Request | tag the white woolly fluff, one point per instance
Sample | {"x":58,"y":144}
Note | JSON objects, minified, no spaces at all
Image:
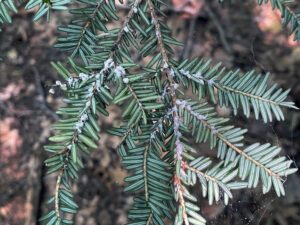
{"x":170,"y":112}
{"x":98,"y":84}
{"x":200,"y":117}
{"x":185,"y":73}
{"x":84,"y":117}
{"x":160,"y":126}
{"x":126,"y":80}
{"x":184,"y":104}
{"x":108,"y":64}
{"x":179,"y":149}
{"x":79,"y":125}
{"x":198,"y":75}
{"x":165,"y":92}
{"x":211,"y":82}
{"x":153,"y":21}
{"x":52,"y":91}
{"x":165,"y":66}
{"x":58,"y":83}
{"x":126,"y":29}
{"x":214,"y":130}
{"x":189,"y":75}
{"x":91,"y":91}
{"x":175,"y":86}
{"x":119,"y":71}
{"x":177,"y":133}
{"x":98,"y":76}
{"x":172,"y":73}
{"x":70,"y":81}
{"x":83,"y":76}
{"x":87,"y":104}
{"x":152,"y":136}
{"x":157,"y":33}
{"x":135,"y":10}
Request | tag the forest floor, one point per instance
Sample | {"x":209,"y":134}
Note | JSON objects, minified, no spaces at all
{"x":240,"y":35}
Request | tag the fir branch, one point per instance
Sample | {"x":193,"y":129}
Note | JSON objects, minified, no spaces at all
{"x":125,"y":24}
{"x":135,"y":96}
{"x":71,"y":140}
{"x":248,"y":95}
{"x":158,"y":33}
{"x":233,"y":89}
{"x":254,"y":161}
{"x":242,"y":153}
{"x":87,"y":25}
{"x":165,"y":59}
{"x":219,"y":136}
{"x":217,"y":84}
{"x":153,"y":146}
{"x":81,"y":34}
{"x":215,"y":180}
{"x":177,"y":134}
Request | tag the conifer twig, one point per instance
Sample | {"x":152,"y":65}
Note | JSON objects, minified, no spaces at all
{"x":240,"y":151}
{"x":58,"y":182}
{"x":125,"y":24}
{"x":199,"y":172}
{"x":87,"y":25}
{"x":165,"y":65}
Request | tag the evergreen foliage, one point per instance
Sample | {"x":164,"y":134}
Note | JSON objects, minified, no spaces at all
{"x":159,"y":122}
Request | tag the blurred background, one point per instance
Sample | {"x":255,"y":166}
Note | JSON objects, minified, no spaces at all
{"x":240,"y":34}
